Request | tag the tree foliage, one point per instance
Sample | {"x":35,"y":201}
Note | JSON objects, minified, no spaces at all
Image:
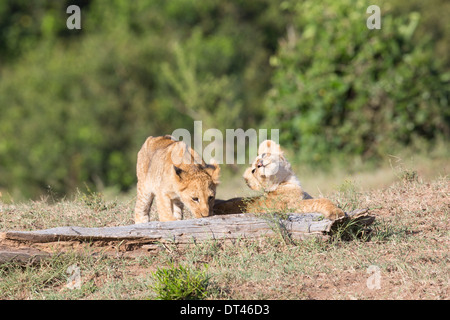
{"x":342,"y":89}
{"x":76,"y":105}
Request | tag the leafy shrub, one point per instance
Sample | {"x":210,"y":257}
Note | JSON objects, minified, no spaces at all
{"x":342,"y":89}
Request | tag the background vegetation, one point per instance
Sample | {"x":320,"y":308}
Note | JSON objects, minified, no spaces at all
{"x":76,"y":105}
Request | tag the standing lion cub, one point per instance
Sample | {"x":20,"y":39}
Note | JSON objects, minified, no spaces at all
{"x":174,"y":175}
{"x":272,"y":174}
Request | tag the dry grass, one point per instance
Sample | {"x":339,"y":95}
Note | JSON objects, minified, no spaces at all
{"x":85,"y":210}
{"x":408,"y":246}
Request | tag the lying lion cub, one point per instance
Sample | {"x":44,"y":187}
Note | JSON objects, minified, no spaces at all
{"x":272,"y":173}
{"x":174,"y":175}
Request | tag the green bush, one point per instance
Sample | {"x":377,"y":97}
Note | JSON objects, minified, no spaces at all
{"x":342,"y":90}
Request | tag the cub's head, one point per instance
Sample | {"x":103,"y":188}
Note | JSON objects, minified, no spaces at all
{"x":196,"y":186}
{"x":269,"y":169}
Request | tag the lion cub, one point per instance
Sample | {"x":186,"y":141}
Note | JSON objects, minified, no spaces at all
{"x":272,"y":174}
{"x":174,"y":175}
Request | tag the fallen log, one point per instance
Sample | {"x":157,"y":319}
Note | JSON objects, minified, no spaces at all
{"x":149,"y":235}
{"x":21,"y":255}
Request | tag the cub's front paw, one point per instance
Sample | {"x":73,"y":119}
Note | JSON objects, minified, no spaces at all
{"x":334,"y":213}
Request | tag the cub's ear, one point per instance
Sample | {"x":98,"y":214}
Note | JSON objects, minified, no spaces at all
{"x":213,"y":170}
{"x":269,"y":146}
{"x":179,"y":172}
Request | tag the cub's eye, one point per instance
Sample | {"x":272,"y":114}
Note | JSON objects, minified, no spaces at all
{"x":195,"y":199}
{"x":210,"y":198}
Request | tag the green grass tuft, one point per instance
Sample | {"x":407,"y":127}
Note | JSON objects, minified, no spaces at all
{"x":180,"y":283}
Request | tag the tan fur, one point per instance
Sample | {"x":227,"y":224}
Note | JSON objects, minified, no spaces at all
{"x":173,"y":175}
{"x":272,"y":174}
